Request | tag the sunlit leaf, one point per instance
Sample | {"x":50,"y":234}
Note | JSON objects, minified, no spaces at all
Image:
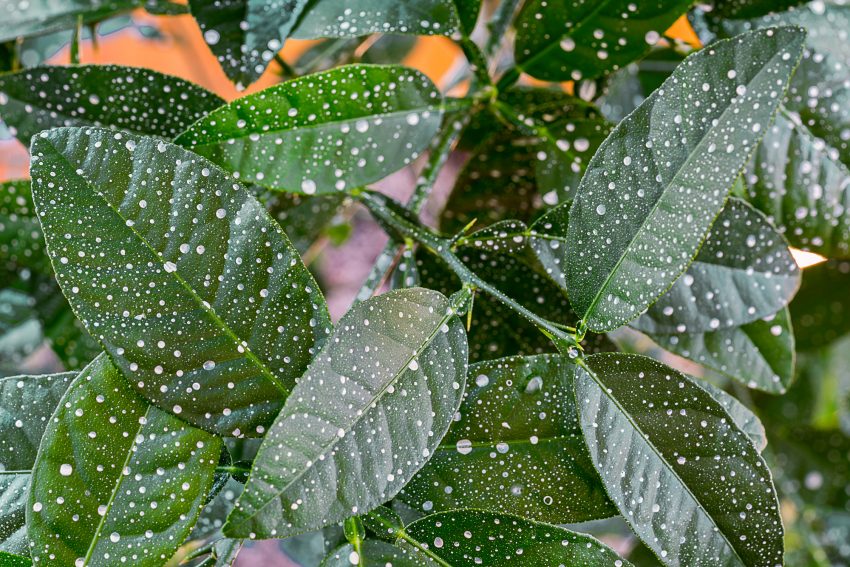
{"x":516,"y":448}
{"x":687,"y":480}
{"x":652,"y":190}
{"x":193,"y":290}
{"x":367,"y":414}
{"x":116,"y":479}
{"x":323,"y":133}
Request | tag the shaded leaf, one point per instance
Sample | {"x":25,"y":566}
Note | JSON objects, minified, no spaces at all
{"x":21,"y":243}
{"x":743,"y":272}
{"x":384,"y":522}
{"x":129,"y":98}
{"x":516,"y":448}
{"x":656,"y":184}
{"x":566,"y":40}
{"x":366,"y":120}
{"x":303,"y":217}
{"x":759,"y":354}
{"x":743,"y":417}
{"x":375,"y":553}
{"x":820,"y":311}
{"x":116,"y":479}
{"x":235,"y":317}
{"x":20,"y":332}
{"x":26,"y":404}
{"x":245,"y":35}
{"x":751,"y":8}
{"x":687,"y":480}
{"x":467,"y":537}
{"x":367,"y":414}
{"x":36,"y":17}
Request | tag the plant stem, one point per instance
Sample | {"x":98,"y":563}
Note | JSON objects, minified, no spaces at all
{"x":75,"y":41}
{"x":477,"y":62}
{"x":441,"y":247}
{"x":231,"y":469}
{"x":286,"y":68}
{"x":498,"y":25}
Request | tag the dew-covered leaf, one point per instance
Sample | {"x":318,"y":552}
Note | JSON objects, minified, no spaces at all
{"x":323,"y":133}
{"x":26,"y":404}
{"x":759,"y":354}
{"x":743,"y":272}
{"x":193,"y":290}
{"x":384,"y":522}
{"x":34,"y":17}
{"x":376,"y":553}
{"x":12,"y":560}
{"x":820,"y":311}
{"x":656,"y":184}
{"x":688,"y":481}
{"x":802,"y":186}
{"x":116,"y":479}
{"x":562,"y":40}
{"x":364,"y":418}
{"x":743,"y":416}
{"x":304,"y":218}
{"x":516,"y":448}
{"x":475,"y":537}
{"x":21,"y":243}
{"x":751,"y":8}
{"x":245,"y":35}
{"x":130,"y":98}
{"x":337,"y":18}
{"x":20,"y":332}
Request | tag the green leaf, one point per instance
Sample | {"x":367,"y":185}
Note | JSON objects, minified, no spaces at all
{"x":472,"y":537}
{"x":801,"y":185}
{"x":566,"y":40}
{"x":165,"y":8}
{"x":743,"y":272}
{"x":516,"y":448}
{"x":193,"y":290}
{"x":375,"y":553}
{"x":10,"y":560}
{"x":759,"y":354}
{"x":245,"y":35}
{"x":820,"y":311}
{"x":21,"y":244}
{"x":366,"y":120}
{"x":336,"y":18}
{"x":743,"y":417}
{"x":35,"y":17}
{"x":20,"y":332}
{"x":751,"y":8}
{"x":687,"y":480}
{"x":384,"y":522}
{"x":129,"y":98}
{"x":303,"y":217}
{"x":26,"y":404}
{"x":116,"y":479}
{"x":367,"y":414}
{"x":656,"y":184}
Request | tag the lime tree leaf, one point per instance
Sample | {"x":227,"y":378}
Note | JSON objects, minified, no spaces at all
{"x":116,"y":479}
{"x":21,"y":243}
{"x":564,"y":40}
{"x":367,"y":414}
{"x":11,"y":560}
{"x":656,"y":184}
{"x":337,"y":18}
{"x":376,"y":553}
{"x":751,"y":8}
{"x":245,"y":35}
{"x":517,"y":448}
{"x":688,"y":481}
{"x":384,"y":522}
{"x":365,"y":120}
{"x":473,"y":537}
{"x":194,"y":291}
{"x":305,"y":218}
{"x":20,"y":332}
{"x":802,"y":186}
{"x":129,"y":98}
{"x":26,"y":404}
{"x":743,"y":417}
{"x":821,"y":310}
{"x":36,"y":17}
{"x":743,"y":272}
{"x":759,"y":354}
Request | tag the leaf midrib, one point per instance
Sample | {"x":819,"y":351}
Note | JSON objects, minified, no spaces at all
{"x":673,"y":179}
{"x":362,"y":412}
{"x":658,"y":454}
{"x":553,"y":439}
{"x":209,"y":310}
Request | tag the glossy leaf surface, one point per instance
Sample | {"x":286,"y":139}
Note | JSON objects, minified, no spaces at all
{"x":323,"y":133}
{"x":564,"y":40}
{"x":127,"y":98}
{"x":191,"y":287}
{"x":26,"y":404}
{"x":517,"y":448}
{"x":367,"y":414}
{"x":36,"y":17}
{"x":656,"y":184}
{"x":375,"y":553}
{"x":472,"y":537}
{"x":743,"y":416}
{"x":116,"y":478}
{"x":743,"y":272}
{"x":688,"y":481}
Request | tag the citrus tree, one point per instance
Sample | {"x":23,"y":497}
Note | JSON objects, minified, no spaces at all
{"x":501,"y":378}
